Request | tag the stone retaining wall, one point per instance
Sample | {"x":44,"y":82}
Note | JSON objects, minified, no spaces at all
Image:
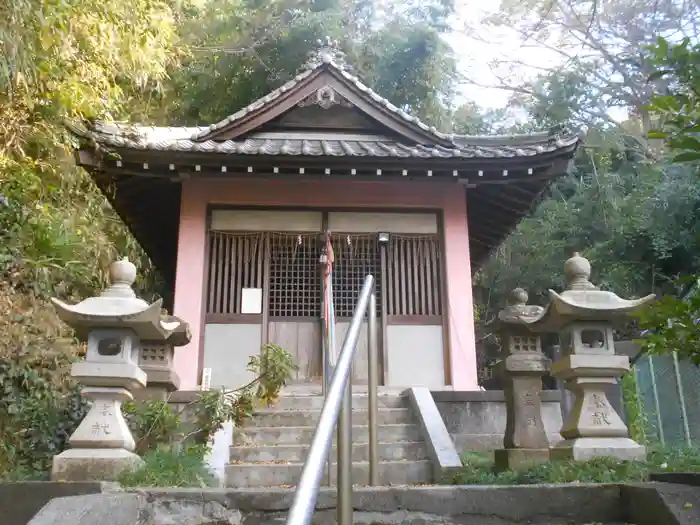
{"x":536,"y":505}
{"x":477,"y":420}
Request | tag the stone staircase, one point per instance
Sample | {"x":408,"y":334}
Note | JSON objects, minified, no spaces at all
{"x":271,"y":448}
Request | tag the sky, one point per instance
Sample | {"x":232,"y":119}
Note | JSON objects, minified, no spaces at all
{"x":474,"y":56}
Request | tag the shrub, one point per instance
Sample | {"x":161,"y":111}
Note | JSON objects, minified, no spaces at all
{"x":175,"y":457}
{"x":171,"y":466}
{"x":152,"y":423}
{"x":41,"y":406}
{"x":39,"y":410}
{"x":274,"y":367}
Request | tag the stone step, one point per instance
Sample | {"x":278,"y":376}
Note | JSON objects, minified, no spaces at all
{"x":275,"y":475}
{"x":397,"y":451}
{"x":311,"y":402}
{"x":303,"y":435}
{"x":306,"y":418}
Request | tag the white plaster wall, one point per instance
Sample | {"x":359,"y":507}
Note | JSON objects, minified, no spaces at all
{"x":261,"y":221}
{"x":369,"y":222}
{"x":227,"y":348}
{"x":415,"y":356}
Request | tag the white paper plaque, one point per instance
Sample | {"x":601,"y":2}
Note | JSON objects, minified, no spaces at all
{"x":206,"y":379}
{"x":251,"y":301}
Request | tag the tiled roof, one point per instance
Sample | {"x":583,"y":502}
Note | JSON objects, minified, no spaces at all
{"x":327,"y":61}
{"x":334,"y":145}
{"x":193,"y":139}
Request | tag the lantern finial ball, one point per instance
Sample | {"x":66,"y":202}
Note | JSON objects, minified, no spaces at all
{"x":577,"y":267}
{"x":122,"y":272}
{"x":518,"y":297}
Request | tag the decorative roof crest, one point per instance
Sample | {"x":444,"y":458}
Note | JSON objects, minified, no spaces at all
{"x":327,"y":52}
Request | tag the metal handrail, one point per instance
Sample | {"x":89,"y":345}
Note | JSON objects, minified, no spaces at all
{"x":337,"y":407}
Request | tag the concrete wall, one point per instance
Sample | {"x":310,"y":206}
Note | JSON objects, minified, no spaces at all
{"x":477,"y":420}
{"x":436,"y":195}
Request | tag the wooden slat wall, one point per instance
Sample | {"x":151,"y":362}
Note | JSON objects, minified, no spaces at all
{"x":236,"y":261}
{"x":413,"y":276}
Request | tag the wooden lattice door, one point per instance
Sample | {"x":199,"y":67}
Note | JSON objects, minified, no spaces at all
{"x":295,"y":300}
{"x":356,"y":256}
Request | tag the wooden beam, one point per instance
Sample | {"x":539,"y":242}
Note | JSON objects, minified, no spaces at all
{"x":505,"y":196}
{"x":480,"y":199}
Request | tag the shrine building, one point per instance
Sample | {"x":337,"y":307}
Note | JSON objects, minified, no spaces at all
{"x":232,"y":215}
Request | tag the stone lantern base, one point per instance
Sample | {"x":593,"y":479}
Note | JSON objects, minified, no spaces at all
{"x":518,"y":458}
{"x":102,"y":444}
{"x":593,"y":428}
{"x":93,"y":464}
{"x":587,"y":448}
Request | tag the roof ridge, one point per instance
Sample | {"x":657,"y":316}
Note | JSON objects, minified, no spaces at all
{"x":326,"y":60}
{"x":321,"y":61}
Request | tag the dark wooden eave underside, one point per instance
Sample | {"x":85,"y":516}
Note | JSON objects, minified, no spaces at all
{"x":145,"y":188}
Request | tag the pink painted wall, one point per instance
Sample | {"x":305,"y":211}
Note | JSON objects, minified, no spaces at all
{"x":450,"y":197}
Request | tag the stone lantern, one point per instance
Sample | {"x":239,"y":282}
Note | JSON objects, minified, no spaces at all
{"x":156,"y":358}
{"x":523,"y":365}
{"x":113,"y":324}
{"x":584,"y":317}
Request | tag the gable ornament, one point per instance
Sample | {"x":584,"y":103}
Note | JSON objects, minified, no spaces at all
{"x":326,"y":97}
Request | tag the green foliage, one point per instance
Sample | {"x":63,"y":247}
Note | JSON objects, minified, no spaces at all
{"x":637,"y":224}
{"x":678,"y":106}
{"x":212,"y":409}
{"x":57,"y":232}
{"x":241,"y":50}
{"x":173,"y":455}
{"x":274,"y":368}
{"x":171,"y":466}
{"x":153,"y":423}
{"x":157,"y":423}
{"x":56,"y":64}
{"x":479,"y":470}
{"x":243,"y":406}
{"x":626,"y":207}
{"x":37,"y":414}
{"x":672,"y":324}
{"x":636,"y":418}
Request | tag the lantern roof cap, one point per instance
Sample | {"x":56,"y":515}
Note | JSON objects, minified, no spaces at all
{"x":118,"y":307}
{"x":583,"y":301}
{"x":516,"y":311}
